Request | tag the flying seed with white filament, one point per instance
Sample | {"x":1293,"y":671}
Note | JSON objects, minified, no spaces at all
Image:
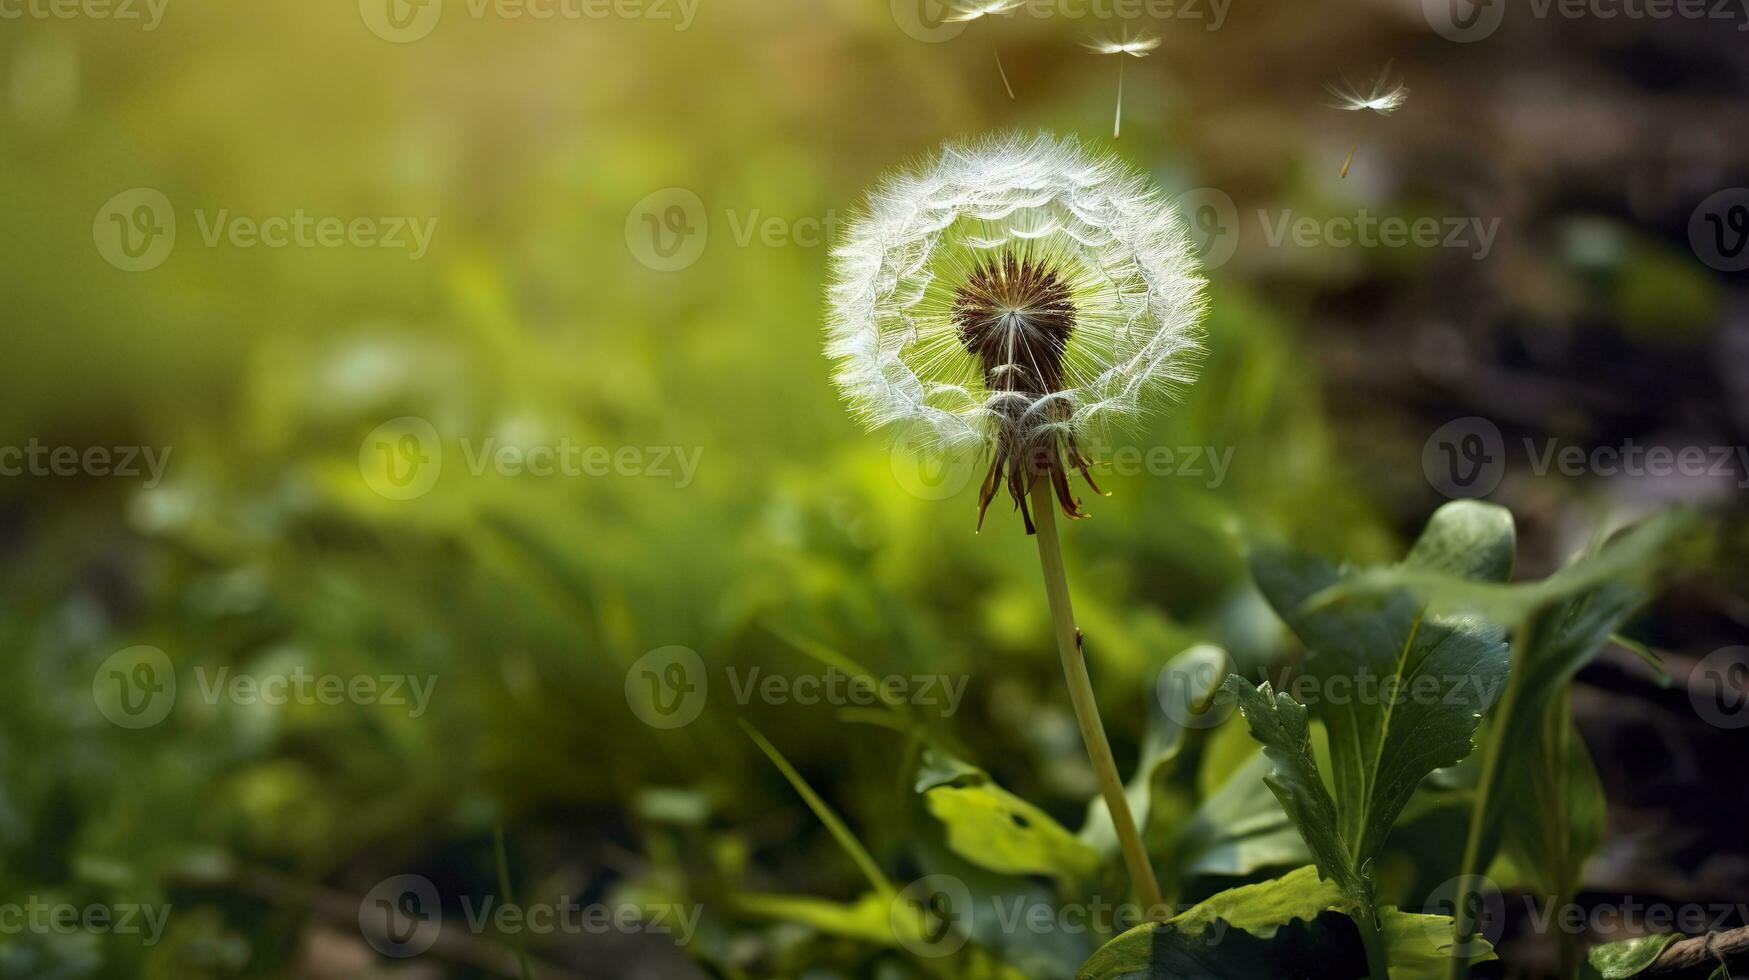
{"x":967,"y":14}
{"x":1135,"y":48}
{"x":1384,"y":96}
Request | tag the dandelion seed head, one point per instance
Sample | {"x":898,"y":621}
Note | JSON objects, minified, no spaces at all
{"x":1012,"y":293}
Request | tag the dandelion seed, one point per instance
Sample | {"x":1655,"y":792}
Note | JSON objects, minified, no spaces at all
{"x":967,"y":14}
{"x":1015,"y":294}
{"x":1384,"y":96}
{"x":1137,"y":48}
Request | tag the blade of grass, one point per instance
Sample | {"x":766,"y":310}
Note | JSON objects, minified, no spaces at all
{"x":503,"y":860}
{"x":834,"y":825}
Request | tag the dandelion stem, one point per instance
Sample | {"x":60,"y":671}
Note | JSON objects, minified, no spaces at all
{"x":1050,"y":555}
{"x":1003,"y":72}
{"x":1117,"y":123}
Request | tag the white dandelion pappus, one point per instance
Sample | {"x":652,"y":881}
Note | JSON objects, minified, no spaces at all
{"x":971,"y":12}
{"x":1010,"y":294}
{"x":1383,"y":97}
{"x":1137,"y":47}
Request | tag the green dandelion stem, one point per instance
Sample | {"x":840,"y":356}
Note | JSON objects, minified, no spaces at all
{"x":1050,"y":555}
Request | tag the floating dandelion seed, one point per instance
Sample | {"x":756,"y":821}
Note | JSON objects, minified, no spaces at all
{"x":1137,"y":48}
{"x":1384,"y":97}
{"x":967,"y":14}
{"x":1012,"y":294}
{"x":1009,"y":294}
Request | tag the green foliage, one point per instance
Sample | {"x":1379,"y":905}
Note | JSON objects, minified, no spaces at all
{"x":1629,"y":957}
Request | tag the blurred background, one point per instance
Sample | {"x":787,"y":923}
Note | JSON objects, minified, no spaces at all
{"x":389,"y":388}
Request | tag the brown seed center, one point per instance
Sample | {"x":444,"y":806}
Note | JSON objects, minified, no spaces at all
{"x":1015,"y":316}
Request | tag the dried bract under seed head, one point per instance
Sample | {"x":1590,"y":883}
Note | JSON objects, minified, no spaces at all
{"x":1015,"y":293}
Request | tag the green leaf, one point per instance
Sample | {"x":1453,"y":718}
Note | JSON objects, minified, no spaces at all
{"x":1634,"y":556}
{"x":1402,"y":690}
{"x":1421,"y":947}
{"x":1630,"y":957}
{"x":1280,"y":723}
{"x":1196,"y":944}
{"x":1555,"y":806}
{"x":1553,"y":648}
{"x":868,"y":918}
{"x":1160,"y":952}
{"x":1240,"y":828}
{"x":996,"y":830}
{"x":1265,"y":907}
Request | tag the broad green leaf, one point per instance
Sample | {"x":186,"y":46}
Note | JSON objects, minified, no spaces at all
{"x":1263,"y":908}
{"x":1199,"y":942}
{"x":1199,"y":671}
{"x":1160,"y":952}
{"x":1401,"y":690}
{"x":1240,"y":828}
{"x":1636,"y":555}
{"x":996,"y":830}
{"x":1630,"y":957}
{"x":1555,"y":805}
{"x":1421,"y":947}
{"x":1280,"y":723}
{"x":1532,"y":748}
